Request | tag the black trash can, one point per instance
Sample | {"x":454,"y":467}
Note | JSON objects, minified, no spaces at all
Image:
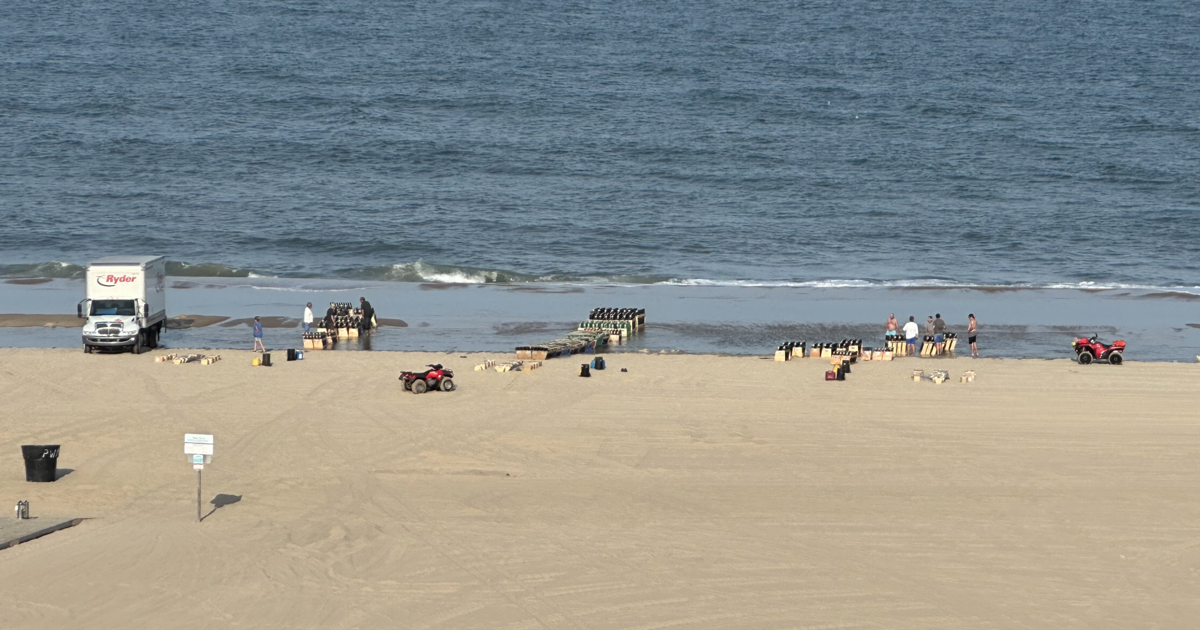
{"x":41,"y":462}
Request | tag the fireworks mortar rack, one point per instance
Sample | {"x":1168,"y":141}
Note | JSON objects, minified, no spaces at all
{"x":898,"y":346}
{"x":604,"y":326}
{"x":845,"y":350}
{"x":929,"y":346}
{"x":840,"y":355}
{"x":347,"y":324}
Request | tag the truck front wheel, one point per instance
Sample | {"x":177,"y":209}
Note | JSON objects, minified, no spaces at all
{"x":87,"y":349}
{"x":138,"y":342}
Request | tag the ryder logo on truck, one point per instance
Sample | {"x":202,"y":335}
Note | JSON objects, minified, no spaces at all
{"x":111,"y":280}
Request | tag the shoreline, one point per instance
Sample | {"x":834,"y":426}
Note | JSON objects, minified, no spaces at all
{"x":959,"y":360}
{"x":689,"y":319}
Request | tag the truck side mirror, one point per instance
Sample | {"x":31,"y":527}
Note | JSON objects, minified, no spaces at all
{"x":79,"y":310}
{"x":145,"y":311}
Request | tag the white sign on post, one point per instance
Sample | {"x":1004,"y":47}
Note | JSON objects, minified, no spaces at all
{"x":200,"y":447}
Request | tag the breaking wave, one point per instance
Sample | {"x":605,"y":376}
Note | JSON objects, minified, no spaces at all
{"x":52,"y":269}
{"x":424,"y":272}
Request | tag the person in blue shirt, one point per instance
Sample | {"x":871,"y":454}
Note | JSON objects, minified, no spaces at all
{"x":258,"y":342}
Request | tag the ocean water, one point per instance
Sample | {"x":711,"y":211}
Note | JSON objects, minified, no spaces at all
{"x":800,"y":143}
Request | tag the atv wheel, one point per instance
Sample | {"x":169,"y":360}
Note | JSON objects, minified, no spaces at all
{"x":1115,"y":358}
{"x":447,"y":385}
{"x":418,"y":387}
{"x":1085,"y":357}
{"x":407,"y":385}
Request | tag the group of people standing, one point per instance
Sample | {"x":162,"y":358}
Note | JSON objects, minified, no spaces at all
{"x":368,"y":316}
{"x":935,"y":326}
{"x":368,"y":321}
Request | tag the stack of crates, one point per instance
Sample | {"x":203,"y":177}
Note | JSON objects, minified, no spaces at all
{"x":604,"y":326}
{"x":625,"y":322}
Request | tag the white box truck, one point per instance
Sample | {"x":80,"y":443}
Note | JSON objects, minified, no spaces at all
{"x":126,"y":304}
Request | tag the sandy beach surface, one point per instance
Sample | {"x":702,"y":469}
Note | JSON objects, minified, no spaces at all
{"x":689,"y":492}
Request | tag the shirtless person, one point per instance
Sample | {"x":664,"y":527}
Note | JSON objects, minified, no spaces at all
{"x":893,"y":327}
{"x":972,"y":328}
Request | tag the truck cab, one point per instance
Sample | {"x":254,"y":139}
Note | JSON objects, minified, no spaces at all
{"x":126,"y":305}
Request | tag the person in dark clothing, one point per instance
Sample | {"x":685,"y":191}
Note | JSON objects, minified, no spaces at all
{"x":368,"y":316}
{"x":329,"y":322}
{"x":939,"y":333}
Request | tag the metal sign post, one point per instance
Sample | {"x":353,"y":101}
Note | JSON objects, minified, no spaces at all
{"x":199,"y":447}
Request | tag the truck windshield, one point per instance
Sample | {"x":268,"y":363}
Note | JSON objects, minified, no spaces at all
{"x":113,"y":307}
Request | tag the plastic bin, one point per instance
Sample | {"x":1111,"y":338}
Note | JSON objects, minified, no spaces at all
{"x":41,"y":462}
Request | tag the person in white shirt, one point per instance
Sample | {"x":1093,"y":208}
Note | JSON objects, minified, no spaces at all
{"x":911,"y":330}
{"x":308,"y":318}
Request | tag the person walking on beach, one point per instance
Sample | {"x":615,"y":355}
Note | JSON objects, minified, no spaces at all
{"x":308,"y":316}
{"x":368,"y":316}
{"x":258,"y":342}
{"x":939,"y":333}
{"x":911,"y":330}
{"x":893,"y":327}
{"x":972,"y":328}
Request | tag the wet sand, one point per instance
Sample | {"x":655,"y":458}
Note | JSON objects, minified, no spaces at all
{"x":269,"y":321}
{"x":1018,"y":323}
{"x":195,"y":321}
{"x":16,"y":320}
{"x":690,"y":492}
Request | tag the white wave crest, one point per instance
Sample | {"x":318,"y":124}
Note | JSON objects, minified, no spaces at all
{"x":921,"y":283}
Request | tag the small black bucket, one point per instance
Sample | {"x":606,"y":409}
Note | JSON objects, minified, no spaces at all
{"x":266,"y":359}
{"x":41,"y":462}
{"x":585,"y":370}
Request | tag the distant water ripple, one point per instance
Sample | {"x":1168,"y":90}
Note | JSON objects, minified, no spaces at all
{"x":766,"y":143}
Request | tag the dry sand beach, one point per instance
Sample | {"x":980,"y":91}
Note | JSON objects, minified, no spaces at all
{"x":690,"y":492}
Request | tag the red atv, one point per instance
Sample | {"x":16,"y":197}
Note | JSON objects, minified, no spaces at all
{"x":436,"y":377}
{"x":1087,"y":349}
